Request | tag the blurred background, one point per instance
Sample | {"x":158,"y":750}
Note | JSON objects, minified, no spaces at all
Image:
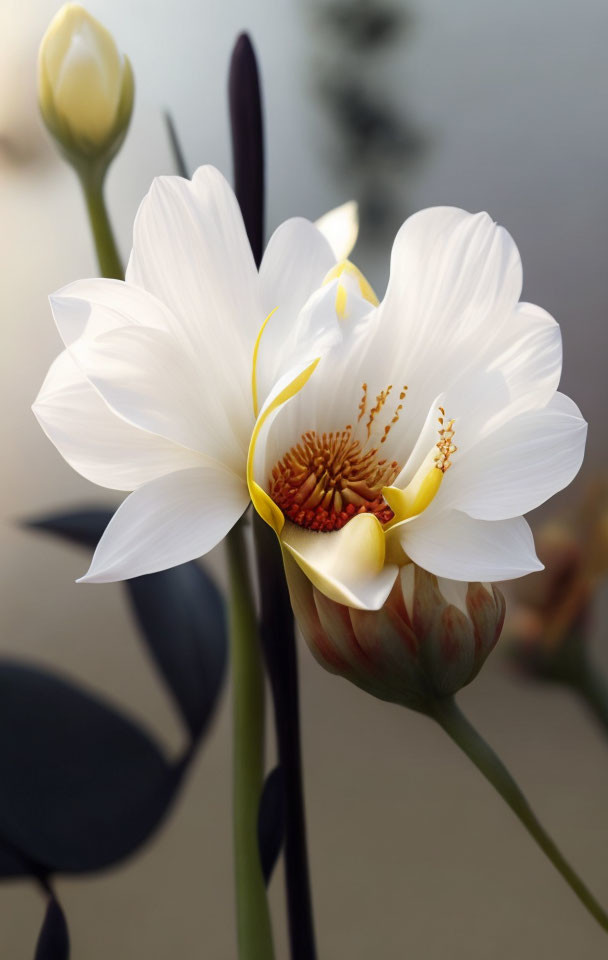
{"x":479,"y":104}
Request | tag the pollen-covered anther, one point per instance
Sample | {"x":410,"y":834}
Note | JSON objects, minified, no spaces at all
{"x":362,"y":402}
{"x":445,"y":445}
{"x":395,"y":417}
{"x":327,"y":479}
{"x":375,"y":410}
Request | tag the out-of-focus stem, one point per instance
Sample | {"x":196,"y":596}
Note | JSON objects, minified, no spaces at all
{"x":92,"y":180}
{"x":462,"y":732}
{"x":591,"y":685}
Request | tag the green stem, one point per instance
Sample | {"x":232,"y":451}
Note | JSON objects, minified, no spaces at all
{"x":592,"y":687}
{"x":92,"y":181}
{"x":253,"y":917}
{"x":456,"y":725}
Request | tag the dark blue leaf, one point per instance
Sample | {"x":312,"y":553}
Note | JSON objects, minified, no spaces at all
{"x":82,"y":786}
{"x":181,"y":616}
{"x":13,"y":863}
{"x":83,"y":526}
{"x":271,"y":821}
{"x":54,"y":940}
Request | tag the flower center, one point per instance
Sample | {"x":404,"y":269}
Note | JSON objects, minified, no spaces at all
{"x":326,"y":479}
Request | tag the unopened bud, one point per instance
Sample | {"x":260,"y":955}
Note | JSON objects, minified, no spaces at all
{"x":85,"y":86}
{"x":550,"y":609}
{"x":428,"y":641}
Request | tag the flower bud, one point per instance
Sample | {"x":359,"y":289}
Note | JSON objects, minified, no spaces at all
{"x":85,"y":86}
{"x":428,"y":641}
{"x":550,"y":616}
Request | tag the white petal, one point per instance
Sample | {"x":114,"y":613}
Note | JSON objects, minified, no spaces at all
{"x":471,"y":403}
{"x":528,"y":355}
{"x":454,"y":545}
{"x":455,"y":592}
{"x":191,"y":250}
{"x":294,"y":266}
{"x":340,"y":227}
{"x":560,"y":403}
{"x":91,"y":307}
{"x":151,"y":382}
{"x":331,"y":399}
{"x":455,"y":280}
{"x":317,"y":335}
{"x":168,"y":521}
{"x":346,"y":565}
{"x":452,"y":272}
{"x":86,"y":309}
{"x":454,"y":285}
{"x":517,"y":372}
{"x":98,"y":444}
{"x":311,"y":334}
{"x":520,"y":465}
{"x":426,"y":440}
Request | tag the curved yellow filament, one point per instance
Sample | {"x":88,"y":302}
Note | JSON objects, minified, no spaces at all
{"x":265,"y":506}
{"x":254,"y":365}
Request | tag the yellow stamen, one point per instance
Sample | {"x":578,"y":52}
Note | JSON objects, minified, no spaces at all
{"x":445,"y":447}
{"x":380,"y":401}
{"x":424,"y":486}
{"x":395,"y":418}
{"x":363,"y":402}
{"x":326,"y":479}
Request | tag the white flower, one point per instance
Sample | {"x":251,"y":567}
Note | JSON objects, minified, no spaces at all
{"x":85,"y":85}
{"x":160,"y":383}
{"x":430,"y":424}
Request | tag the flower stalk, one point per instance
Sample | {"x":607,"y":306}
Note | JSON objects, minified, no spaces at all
{"x":91,"y":180}
{"x":85,"y":94}
{"x":253,"y":917}
{"x":461,"y":731}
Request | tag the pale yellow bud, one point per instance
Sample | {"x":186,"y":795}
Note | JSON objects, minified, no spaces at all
{"x":85,"y":85}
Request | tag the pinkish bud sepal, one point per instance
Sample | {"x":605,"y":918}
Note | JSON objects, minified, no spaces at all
{"x":428,"y":641}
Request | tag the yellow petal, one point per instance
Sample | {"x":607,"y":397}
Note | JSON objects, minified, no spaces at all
{"x":264,"y":505}
{"x":346,"y":565}
{"x":340,"y":227}
{"x":350,"y":270}
{"x":254,"y":365}
{"x":416,"y":497}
